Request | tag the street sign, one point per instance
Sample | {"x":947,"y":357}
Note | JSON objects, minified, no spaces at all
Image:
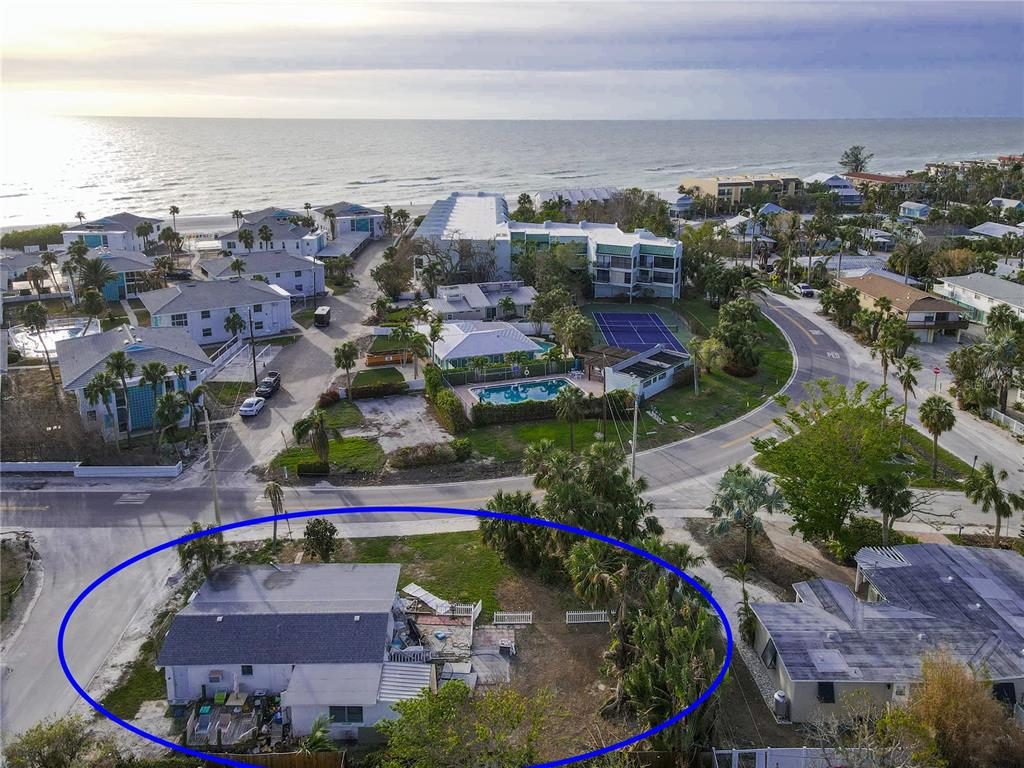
{"x":936,"y":370}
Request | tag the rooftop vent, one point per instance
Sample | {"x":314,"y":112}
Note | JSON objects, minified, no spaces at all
{"x":948,"y":579}
{"x":220,"y":619}
{"x":356,"y":618}
{"x":921,"y":635}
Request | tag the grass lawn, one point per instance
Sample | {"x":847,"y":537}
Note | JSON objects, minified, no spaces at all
{"x":385,"y":344}
{"x":353,"y":454}
{"x":229,"y":392}
{"x":388,"y":375}
{"x":722,"y":398}
{"x":282,"y":341}
{"x":343,"y":415}
{"x":14,"y":565}
{"x":304,"y":317}
{"x":951,"y":469}
{"x":142,"y":682}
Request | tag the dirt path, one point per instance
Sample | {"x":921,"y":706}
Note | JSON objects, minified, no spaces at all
{"x":800,"y":552}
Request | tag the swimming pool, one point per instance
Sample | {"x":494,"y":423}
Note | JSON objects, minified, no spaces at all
{"x":27,"y":341}
{"x":506,"y":394}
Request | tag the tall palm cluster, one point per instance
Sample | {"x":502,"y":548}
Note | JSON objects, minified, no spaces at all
{"x":984,"y":374}
{"x":663,"y":649}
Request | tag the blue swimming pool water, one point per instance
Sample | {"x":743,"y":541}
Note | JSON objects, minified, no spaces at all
{"x":506,"y":394}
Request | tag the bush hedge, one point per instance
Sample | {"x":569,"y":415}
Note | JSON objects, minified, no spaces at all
{"x":862,"y":532}
{"x":433,"y":381}
{"x":484,"y":414}
{"x":328,"y":398}
{"x":449,"y":411}
{"x":380,"y":389}
{"x":463,"y":448}
{"x":313,"y":469}
{"x":422,"y":455}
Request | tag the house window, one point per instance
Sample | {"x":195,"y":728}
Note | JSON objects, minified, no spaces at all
{"x":214,"y":676}
{"x":770,"y":655}
{"x":827,"y":693}
{"x":247,"y":670}
{"x":232,"y":245}
{"x":231,"y":310}
{"x":258,"y":325}
{"x":257,"y":307}
{"x":179,"y":320}
{"x":207,"y":333}
{"x":346,"y":714}
{"x":298,"y":287}
{"x":205,"y":314}
{"x":298,"y":273}
{"x":277,"y":274}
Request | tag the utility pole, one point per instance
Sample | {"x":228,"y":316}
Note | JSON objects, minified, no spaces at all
{"x":636,"y":414}
{"x":213,"y":469}
{"x":252,"y":348}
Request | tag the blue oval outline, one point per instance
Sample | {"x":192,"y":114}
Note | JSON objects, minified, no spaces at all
{"x":398,"y":508}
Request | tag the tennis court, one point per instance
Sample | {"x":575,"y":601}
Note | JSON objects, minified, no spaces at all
{"x":636,"y":330}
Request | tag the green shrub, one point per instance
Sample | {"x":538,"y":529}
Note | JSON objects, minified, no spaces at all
{"x":450,"y":412}
{"x":463,"y":448}
{"x":13,"y":355}
{"x":41,"y":236}
{"x":484,"y":414}
{"x":422,"y":455}
{"x":313,"y":469}
{"x":862,"y":532}
{"x":433,"y":380}
{"x":380,"y":389}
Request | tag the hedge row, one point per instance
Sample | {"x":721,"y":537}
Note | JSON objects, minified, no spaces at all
{"x":380,"y":389}
{"x":449,"y":411}
{"x":313,"y":469}
{"x":484,"y":414}
{"x":430,"y":454}
{"x":863,"y":532}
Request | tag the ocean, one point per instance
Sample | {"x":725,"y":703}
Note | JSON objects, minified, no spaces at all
{"x":54,"y":167}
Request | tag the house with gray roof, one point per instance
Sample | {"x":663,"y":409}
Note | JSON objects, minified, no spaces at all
{"x":350,"y":219}
{"x":130,"y":270}
{"x":908,"y":601}
{"x":981,"y":293}
{"x":321,"y":636}
{"x":463,"y":341}
{"x":482,"y":301}
{"x":82,"y":357}
{"x":997,"y":230}
{"x":203,"y":307}
{"x":116,"y":232}
{"x":285,"y":235}
{"x":295,"y":274}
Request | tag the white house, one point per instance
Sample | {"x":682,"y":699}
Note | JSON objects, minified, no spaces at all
{"x":82,"y":357}
{"x":116,"y":232}
{"x":284,"y":235}
{"x":831,"y":643}
{"x":319,"y":635}
{"x":840,"y":186}
{"x":1006,"y":203}
{"x":481,"y":301}
{"x":980,"y":293}
{"x":481,"y":219}
{"x":572,"y":197}
{"x":350,"y":217}
{"x":460,"y":342}
{"x":647,"y":373}
{"x":680,"y":208}
{"x":297,"y":275}
{"x":912,"y":210}
{"x":202,"y":308}
{"x":997,"y":230}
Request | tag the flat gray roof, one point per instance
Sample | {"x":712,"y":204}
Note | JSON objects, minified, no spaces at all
{"x":991,"y":286}
{"x":210,"y":294}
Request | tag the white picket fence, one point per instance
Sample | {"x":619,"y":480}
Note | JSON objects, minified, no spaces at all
{"x":1011,"y":424}
{"x":462,"y":609}
{"x":513,"y":617}
{"x":586,"y":617}
{"x":418,"y":656}
{"x":778,"y":757}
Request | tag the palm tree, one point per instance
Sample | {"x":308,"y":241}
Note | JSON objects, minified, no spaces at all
{"x":73,"y":263}
{"x":307,"y":207}
{"x":207,"y":550}
{"x":274,"y":493}
{"x":569,"y":407}
{"x":435,"y":333}
{"x":237,"y":215}
{"x":153,"y":373}
{"x":122,"y":367}
{"x":937,"y":416}
{"x":245,"y":238}
{"x":319,"y":738}
{"x":234,"y":324}
{"x":554,"y":355}
{"x":49,"y":260}
{"x":170,"y":409}
{"x":144,"y":230}
{"x":99,"y":390}
{"x":982,"y":487}
{"x":345,"y":357}
{"x":174,"y":211}
{"x":380,"y":307}
{"x":905,"y":370}
{"x":36,"y":318}
{"x":237,"y":266}
{"x":266,"y":235}
{"x":169,"y":238}
{"x":314,"y":430}
{"x":507,"y":305}
{"x":36,"y":277}
{"x":92,"y":305}
{"x":401,"y":218}
{"x":741,"y":495}
{"x":331,"y":217}
{"x":195,"y":402}
{"x":80,"y":216}
{"x":95,"y":273}
{"x":418,"y":345}
{"x":402,"y":335}
{"x":890,"y":494}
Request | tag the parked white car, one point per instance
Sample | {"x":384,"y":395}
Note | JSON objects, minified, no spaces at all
{"x":803,"y":289}
{"x":251,"y":406}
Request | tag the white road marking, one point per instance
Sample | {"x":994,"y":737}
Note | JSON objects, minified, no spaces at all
{"x":132,"y":498}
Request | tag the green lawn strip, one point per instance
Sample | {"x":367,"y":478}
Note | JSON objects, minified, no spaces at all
{"x":951,"y":469}
{"x":382,"y":344}
{"x":143,"y":317}
{"x":455,"y":566}
{"x":229,"y":392}
{"x":343,"y":415}
{"x":13,"y":567}
{"x":353,"y":454}
{"x":671,"y":318}
{"x":507,"y":442}
{"x":304,"y":317}
{"x":281,"y":341}
{"x":389,"y":375}
{"x":141,"y":682}
{"x":136,"y":304}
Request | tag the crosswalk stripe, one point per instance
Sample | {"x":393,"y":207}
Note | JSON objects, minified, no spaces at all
{"x":132,"y":498}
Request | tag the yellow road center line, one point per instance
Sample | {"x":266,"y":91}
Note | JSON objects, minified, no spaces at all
{"x":749,"y":435}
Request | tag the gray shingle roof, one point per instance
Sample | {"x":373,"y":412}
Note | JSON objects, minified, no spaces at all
{"x":116,"y":222}
{"x":282,"y":229}
{"x":210,"y":294}
{"x":345,"y":208}
{"x":122,"y":261}
{"x":969,"y":600}
{"x":80,"y":358}
{"x":258,"y":263}
{"x":994,"y":287}
{"x":271,"y":638}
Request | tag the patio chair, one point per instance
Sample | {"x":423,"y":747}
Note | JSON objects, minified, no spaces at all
{"x":220,"y":697}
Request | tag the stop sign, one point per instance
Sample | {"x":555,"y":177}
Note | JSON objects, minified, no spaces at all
{"x":936,"y":370}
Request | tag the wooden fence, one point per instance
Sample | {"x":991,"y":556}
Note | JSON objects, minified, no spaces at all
{"x":291,"y":760}
{"x":586,"y":617}
{"x":513,"y":617}
{"x":387,"y":358}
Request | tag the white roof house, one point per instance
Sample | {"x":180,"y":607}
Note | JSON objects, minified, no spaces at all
{"x":995,"y":229}
{"x":296,"y":274}
{"x":1004,"y":203}
{"x":115,"y":231}
{"x":576,"y":195}
{"x":462,"y":341}
{"x":470,"y":301}
{"x":981,"y":293}
{"x":465,"y":216}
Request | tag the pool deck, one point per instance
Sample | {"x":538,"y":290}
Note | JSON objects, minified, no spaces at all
{"x":595,"y":388}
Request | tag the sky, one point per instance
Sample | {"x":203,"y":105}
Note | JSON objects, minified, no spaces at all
{"x":513,"y":60}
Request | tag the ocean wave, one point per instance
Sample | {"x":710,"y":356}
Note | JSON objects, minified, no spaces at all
{"x":367,"y":183}
{"x":16,"y":194}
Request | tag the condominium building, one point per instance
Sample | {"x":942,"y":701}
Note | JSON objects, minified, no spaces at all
{"x":730,"y":189}
{"x":863,"y":181}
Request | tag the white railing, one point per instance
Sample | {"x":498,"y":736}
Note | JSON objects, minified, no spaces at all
{"x":416,"y":656}
{"x":586,"y":617}
{"x":1010,"y":423}
{"x":781,"y":757}
{"x":462,"y":609}
{"x":513,"y":617}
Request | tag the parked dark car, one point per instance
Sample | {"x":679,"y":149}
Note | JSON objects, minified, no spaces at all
{"x":180,"y":274}
{"x":270,"y":384}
